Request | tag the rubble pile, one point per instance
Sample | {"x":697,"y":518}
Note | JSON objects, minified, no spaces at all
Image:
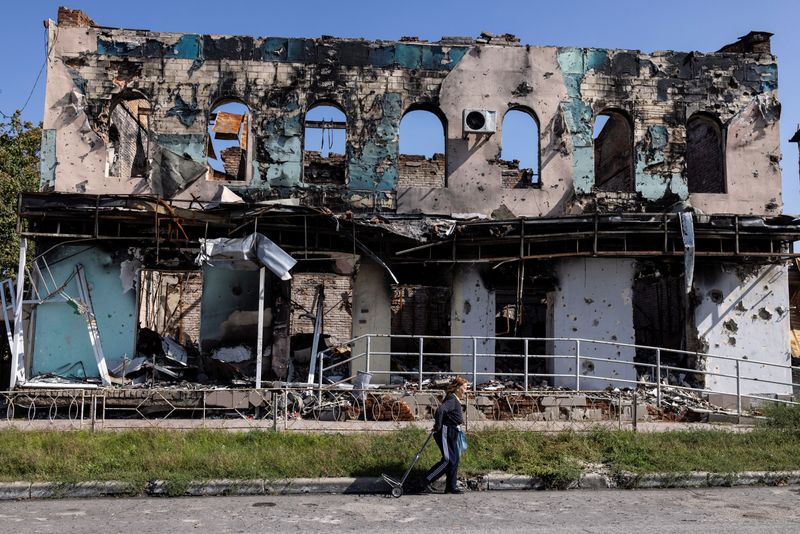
{"x":387,"y":408}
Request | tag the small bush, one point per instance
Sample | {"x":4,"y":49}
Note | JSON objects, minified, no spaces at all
{"x":784,"y":416}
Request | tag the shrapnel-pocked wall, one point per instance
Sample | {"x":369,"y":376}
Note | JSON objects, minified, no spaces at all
{"x":185,"y":76}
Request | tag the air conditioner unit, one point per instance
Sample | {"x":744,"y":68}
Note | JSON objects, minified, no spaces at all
{"x":479,"y":121}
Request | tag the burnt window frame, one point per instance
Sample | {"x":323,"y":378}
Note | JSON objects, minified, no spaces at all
{"x":535,"y":118}
{"x":325,"y":102}
{"x":118,"y":99}
{"x":626,"y":116}
{"x":250,"y":149}
{"x":722,"y":135}
{"x":439,"y":114}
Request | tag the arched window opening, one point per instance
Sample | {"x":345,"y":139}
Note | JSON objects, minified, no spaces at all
{"x":228,"y":146}
{"x":519,"y":154}
{"x":325,"y":137}
{"x":128,"y":149}
{"x":705,"y":155}
{"x":421,"y":162}
{"x":613,"y":152}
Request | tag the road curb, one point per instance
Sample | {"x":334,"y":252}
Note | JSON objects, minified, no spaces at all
{"x":22,"y":490}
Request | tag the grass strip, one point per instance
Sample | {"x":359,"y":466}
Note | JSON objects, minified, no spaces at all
{"x":137,"y":456}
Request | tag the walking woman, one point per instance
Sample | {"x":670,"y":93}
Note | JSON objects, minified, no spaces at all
{"x":448,"y":418}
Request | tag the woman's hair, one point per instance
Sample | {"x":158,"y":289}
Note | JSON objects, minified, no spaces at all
{"x":456,"y":383}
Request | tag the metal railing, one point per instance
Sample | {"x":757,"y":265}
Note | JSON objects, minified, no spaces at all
{"x":741,"y":372}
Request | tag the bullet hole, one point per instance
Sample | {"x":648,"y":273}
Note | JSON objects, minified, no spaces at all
{"x":716,"y":296}
{"x":595,"y":322}
{"x":740,"y":307}
{"x":731,"y":325}
{"x":613,"y":338}
{"x":587,"y":300}
{"x":765,"y":314}
{"x":574,"y":329}
{"x":467,"y":307}
{"x":587,"y":368}
{"x":732,"y":341}
{"x":780,"y":310}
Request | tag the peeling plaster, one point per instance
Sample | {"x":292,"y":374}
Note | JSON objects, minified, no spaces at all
{"x":577,"y":114}
{"x":374,"y":166}
{"x":186,"y":112}
{"x":374,"y":82}
{"x":47,"y":160}
{"x":650,"y":159}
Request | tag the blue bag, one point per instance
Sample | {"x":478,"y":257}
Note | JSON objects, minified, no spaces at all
{"x":462,"y":442}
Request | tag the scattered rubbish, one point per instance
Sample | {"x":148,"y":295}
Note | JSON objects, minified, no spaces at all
{"x":232,"y":354}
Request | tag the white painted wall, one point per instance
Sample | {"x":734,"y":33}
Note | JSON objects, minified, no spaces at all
{"x":593,"y":300}
{"x":472,"y":313}
{"x":372,"y":314}
{"x":744,"y":314}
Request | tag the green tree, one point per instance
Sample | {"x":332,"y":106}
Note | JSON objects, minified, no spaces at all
{"x":20,"y":142}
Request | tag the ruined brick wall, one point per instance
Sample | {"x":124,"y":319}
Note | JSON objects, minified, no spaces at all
{"x":73,"y":17}
{"x":375,"y":82}
{"x":337,"y":320}
{"x":170,"y":303}
{"x":420,"y":171}
{"x":324,"y":170}
{"x":232,"y":160}
{"x":420,"y":310}
{"x":131,"y":149}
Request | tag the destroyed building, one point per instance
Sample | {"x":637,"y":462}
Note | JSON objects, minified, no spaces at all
{"x":181,"y":210}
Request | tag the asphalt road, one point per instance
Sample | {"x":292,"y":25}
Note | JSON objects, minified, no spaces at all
{"x":728,"y":510}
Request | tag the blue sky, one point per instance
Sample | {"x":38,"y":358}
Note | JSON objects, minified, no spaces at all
{"x":703,"y":25}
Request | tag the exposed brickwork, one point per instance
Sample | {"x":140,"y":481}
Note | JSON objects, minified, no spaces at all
{"x":515,"y":178}
{"x":337,"y":321}
{"x":418,"y":310}
{"x":130,"y":144}
{"x":419,"y":171}
{"x":73,"y":17}
{"x":233,"y":161}
{"x":324,"y":170}
{"x":375,"y":83}
{"x":170,"y":303}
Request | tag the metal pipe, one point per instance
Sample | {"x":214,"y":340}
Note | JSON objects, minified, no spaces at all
{"x":420,"y":362}
{"x":474,"y":363}
{"x":525,"y":364}
{"x":17,"y":360}
{"x":578,"y":364}
{"x":369,"y":344}
{"x":738,"y":389}
{"x":658,"y":378}
{"x":260,"y":336}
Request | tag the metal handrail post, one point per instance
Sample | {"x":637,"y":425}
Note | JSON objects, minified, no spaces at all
{"x":474,"y":363}
{"x":658,"y":378}
{"x":738,"y":389}
{"x":525,"y":364}
{"x":421,"y":340}
{"x":369,"y":346}
{"x":577,"y":365}
{"x":321,"y":357}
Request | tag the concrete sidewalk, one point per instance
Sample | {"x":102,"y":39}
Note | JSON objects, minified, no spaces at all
{"x":376,"y":485}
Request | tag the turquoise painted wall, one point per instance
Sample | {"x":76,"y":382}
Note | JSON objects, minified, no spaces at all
{"x":61,"y":336}
{"x":226,"y":291}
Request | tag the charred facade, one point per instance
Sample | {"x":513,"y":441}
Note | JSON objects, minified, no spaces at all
{"x":654,"y":218}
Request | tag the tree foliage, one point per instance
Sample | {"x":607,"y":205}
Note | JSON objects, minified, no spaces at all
{"x":20,"y":142}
